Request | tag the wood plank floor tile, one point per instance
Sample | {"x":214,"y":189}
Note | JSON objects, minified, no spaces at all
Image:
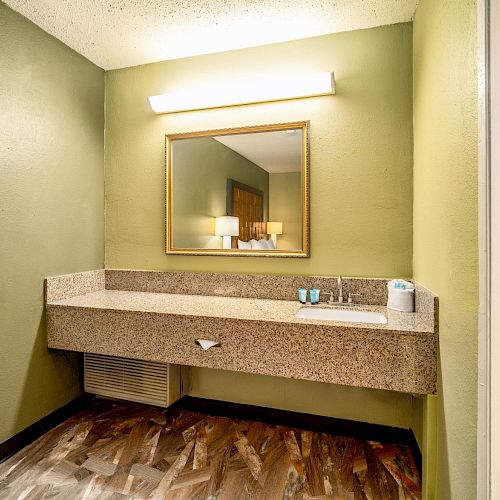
{"x":118,"y":451}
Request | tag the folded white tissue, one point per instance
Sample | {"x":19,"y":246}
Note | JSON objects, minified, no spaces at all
{"x":207,"y":344}
{"x":401,"y":296}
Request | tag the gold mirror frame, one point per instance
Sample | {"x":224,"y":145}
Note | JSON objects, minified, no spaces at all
{"x":234,"y":252}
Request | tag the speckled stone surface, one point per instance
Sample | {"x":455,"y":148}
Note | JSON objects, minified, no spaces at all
{"x":360,"y":356}
{"x":259,"y":336}
{"x":427,"y":303}
{"x":238,"y":308}
{"x":70,"y":285}
{"x":372,"y":291}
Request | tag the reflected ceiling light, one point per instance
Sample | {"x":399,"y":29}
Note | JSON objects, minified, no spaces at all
{"x":265,"y":90}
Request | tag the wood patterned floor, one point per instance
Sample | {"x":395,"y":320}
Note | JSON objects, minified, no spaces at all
{"x":134,"y":451}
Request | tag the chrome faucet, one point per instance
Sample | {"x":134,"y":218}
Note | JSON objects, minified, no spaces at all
{"x":339,"y":287}
{"x":340,"y":299}
{"x":349,"y":302}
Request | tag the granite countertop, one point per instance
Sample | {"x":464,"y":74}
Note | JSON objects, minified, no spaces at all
{"x":159,"y":316}
{"x":250,"y":309}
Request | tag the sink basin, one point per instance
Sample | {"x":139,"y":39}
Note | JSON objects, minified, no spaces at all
{"x":348,"y":315}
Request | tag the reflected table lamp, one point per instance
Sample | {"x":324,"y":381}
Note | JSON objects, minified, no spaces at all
{"x":226,"y":227}
{"x":275,"y":228}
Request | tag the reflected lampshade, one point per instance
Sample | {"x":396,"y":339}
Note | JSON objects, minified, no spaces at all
{"x":275,"y":228}
{"x":227,"y":226}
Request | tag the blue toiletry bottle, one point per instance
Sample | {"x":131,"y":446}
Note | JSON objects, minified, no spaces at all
{"x":302,"y":295}
{"x":314,"y":296}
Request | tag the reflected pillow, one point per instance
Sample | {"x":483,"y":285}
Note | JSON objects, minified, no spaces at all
{"x":270,"y":244}
{"x":244,"y":245}
{"x":259,"y":245}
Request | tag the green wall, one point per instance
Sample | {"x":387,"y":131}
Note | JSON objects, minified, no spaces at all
{"x":285,"y":205}
{"x":361,"y":147}
{"x":201,"y":169}
{"x":52,"y":201}
{"x":446,"y":227}
{"x":366,"y":405}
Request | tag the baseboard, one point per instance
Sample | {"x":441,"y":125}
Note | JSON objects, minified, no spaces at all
{"x":45,"y":424}
{"x":306,"y":421}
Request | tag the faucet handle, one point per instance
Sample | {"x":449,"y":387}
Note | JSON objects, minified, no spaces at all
{"x":350,"y":299}
{"x":331,"y":299}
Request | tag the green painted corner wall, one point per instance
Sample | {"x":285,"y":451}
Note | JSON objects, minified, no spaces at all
{"x":361,"y":177}
{"x":446,"y":230}
{"x":52,"y":194}
{"x":361,"y":152}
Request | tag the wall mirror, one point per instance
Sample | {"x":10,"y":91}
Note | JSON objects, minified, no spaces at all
{"x":240,"y":192}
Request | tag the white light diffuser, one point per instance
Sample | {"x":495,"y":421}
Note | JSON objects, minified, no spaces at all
{"x":264,"y":90}
{"x":226,"y":227}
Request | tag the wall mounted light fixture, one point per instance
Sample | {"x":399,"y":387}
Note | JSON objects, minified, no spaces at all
{"x":264,"y":90}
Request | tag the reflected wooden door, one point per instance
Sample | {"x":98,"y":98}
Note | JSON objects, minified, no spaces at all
{"x":246,"y":203}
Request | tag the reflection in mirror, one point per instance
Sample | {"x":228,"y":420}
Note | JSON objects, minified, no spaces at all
{"x":238,"y":191}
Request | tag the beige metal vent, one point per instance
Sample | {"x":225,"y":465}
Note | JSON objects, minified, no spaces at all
{"x":133,"y":380}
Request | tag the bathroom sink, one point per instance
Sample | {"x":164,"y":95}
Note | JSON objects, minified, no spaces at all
{"x":349,"y":315}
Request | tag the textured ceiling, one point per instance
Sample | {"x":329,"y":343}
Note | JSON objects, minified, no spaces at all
{"x":120,"y":33}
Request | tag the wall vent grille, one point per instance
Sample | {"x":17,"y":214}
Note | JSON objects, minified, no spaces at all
{"x":133,"y":380}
